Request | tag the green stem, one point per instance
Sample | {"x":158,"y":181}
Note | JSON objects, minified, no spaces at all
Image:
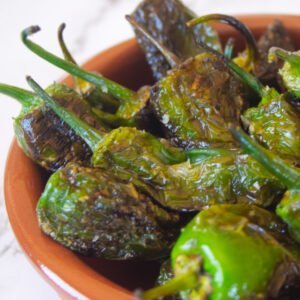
{"x":288,"y":56}
{"x":171,"y":58}
{"x":105,"y":85}
{"x":252,"y":51}
{"x":245,"y":77}
{"x":23,"y":96}
{"x":91,"y":136}
{"x":198,"y":155}
{"x":229,"y":47}
{"x":62,"y":44}
{"x":183,"y":282}
{"x":288,"y":175}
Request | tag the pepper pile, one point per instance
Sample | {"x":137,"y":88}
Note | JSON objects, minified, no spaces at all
{"x":221,"y":208}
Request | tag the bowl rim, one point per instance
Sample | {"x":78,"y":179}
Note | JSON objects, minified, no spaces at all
{"x":68,"y":286}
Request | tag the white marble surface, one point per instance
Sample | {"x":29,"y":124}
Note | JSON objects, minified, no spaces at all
{"x":92,"y":25}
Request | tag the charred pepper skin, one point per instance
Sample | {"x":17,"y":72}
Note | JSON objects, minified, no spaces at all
{"x":224,"y":178}
{"x":275,"y":124}
{"x":276,"y":35}
{"x":288,"y":207}
{"x":205,"y":97}
{"x":166,"y":21}
{"x":46,"y":139}
{"x":93,"y":213}
{"x":222,"y":245}
{"x":166,"y":174}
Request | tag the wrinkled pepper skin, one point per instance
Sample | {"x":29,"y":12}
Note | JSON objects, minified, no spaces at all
{"x":46,"y":139}
{"x":91,"y":212}
{"x":245,"y":252}
{"x":174,"y":178}
{"x":276,"y":35}
{"x":196,"y":101}
{"x":166,"y":21}
{"x":186,"y":186}
{"x":275,"y":124}
{"x":289,"y":206}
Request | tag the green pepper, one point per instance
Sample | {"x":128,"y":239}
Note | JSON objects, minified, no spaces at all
{"x":290,"y":72}
{"x":88,"y":91}
{"x":41,"y":134}
{"x":165,"y":20}
{"x":177,"y":179}
{"x":197,"y":116}
{"x":90,"y":211}
{"x":200,"y":90}
{"x":275,"y":35}
{"x":249,"y":60}
{"x":274,"y":122}
{"x":232,"y":252}
{"x":289,"y":207}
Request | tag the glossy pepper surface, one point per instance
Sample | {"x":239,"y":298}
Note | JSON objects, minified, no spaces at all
{"x":166,"y":21}
{"x":176,"y":179}
{"x":288,"y":207}
{"x":216,"y":252}
{"x":91,"y":212}
{"x":46,"y":139}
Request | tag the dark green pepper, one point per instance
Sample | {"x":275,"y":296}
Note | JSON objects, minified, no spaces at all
{"x":276,"y":35}
{"x":290,"y":72}
{"x":207,"y":177}
{"x":232,"y":252}
{"x":166,"y":21}
{"x":91,"y":212}
{"x":197,"y":116}
{"x":274,"y":122}
{"x":42,"y":135}
{"x":289,"y":207}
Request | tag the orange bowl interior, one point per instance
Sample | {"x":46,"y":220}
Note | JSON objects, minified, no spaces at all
{"x":70,"y":274}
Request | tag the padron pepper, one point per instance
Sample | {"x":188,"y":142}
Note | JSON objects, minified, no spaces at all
{"x":289,"y":206}
{"x":204,"y":96}
{"x":166,"y":21}
{"x":232,"y":252}
{"x":274,"y":122}
{"x":43,"y":137}
{"x":90,"y":211}
{"x":177,"y":179}
{"x":290,"y":72}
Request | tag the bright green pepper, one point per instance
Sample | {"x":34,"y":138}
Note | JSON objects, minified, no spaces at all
{"x":289,"y":207}
{"x":92,"y":212}
{"x":181,"y":180}
{"x":231,"y":252}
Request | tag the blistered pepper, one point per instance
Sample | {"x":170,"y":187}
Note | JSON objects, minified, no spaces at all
{"x":232,"y":252}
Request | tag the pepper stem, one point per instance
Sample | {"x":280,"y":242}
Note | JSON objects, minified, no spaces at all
{"x":91,"y":136}
{"x":180,"y":283}
{"x":105,"y":85}
{"x":252,"y":51}
{"x":245,"y":77}
{"x":288,"y":175}
{"x":288,"y":56}
{"x":228,"y":49}
{"x":23,"y":96}
{"x":171,"y":58}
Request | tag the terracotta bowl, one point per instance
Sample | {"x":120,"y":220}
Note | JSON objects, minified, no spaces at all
{"x":72,"y":275}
